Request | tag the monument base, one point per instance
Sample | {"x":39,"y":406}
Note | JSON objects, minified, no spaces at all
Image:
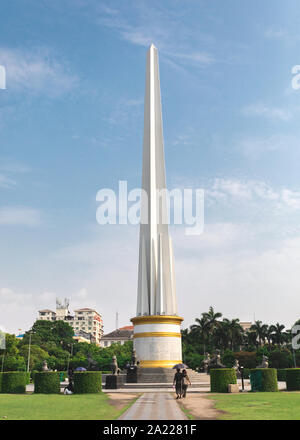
{"x":113,"y":382}
{"x":157,"y":340}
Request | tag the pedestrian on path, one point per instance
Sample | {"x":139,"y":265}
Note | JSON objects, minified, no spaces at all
{"x":185,"y":382}
{"x":178,"y":383}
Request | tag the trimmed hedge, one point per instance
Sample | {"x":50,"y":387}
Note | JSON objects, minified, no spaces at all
{"x":47,"y":382}
{"x":268,"y":381}
{"x":246,"y":373}
{"x":293,"y":379}
{"x":32,"y":374}
{"x":1,"y":381}
{"x":221,"y":378}
{"x":87,"y":382}
{"x":14,"y":382}
{"x":281,"y":375}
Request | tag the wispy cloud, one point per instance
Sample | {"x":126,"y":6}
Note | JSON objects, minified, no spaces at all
{"x":8,"y":295}
{"x":19,"y":215}
{"x":36,"y":71}
{"x":10,"y":166}
{"x":272,"y":113}
{"x":281,"y":34}
{"x":126,"y":111}
{"x":273,"y":33}
{"x":6,"y":182}
{"x":229,"y":191}
{"x":158,"y":25}
{"x":254,"y":146}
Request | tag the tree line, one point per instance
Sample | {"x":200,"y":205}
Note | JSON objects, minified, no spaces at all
{"x":213,"y":331}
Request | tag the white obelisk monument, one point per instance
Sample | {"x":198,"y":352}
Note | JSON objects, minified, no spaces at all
{"x":157,"y":337}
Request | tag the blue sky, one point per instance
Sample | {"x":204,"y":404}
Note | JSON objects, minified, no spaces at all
{"x":71,"y":123}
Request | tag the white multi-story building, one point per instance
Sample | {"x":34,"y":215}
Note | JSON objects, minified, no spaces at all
{"x":88,"y":321}
{"x":245,"y":325}
{"x":47,"y":315}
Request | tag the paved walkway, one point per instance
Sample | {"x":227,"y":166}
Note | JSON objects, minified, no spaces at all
{"x":154,"y":406}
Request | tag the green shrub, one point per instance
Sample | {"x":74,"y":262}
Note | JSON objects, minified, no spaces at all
{"x":47,"y":382}
{"x":281,"y":375}
{"x":14,"y":382}
{"x":27,"y":377}
{"x":246,"y":373}
{"x":293,"y":379}
{"x":194,"y":360}
{"x":228,"y":358}
{"x":221,"y":378}
{"x":1,"y":381}
{"x":32,"y":374}
{"x":87,"y":382}
{"x":280,"y":358}
{"x":264,"y":379}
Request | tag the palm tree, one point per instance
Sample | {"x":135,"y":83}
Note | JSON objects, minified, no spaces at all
{"x":212,"y":321}
{"x":201,"y":329}
{"x":235,"y":331}
{"x":279,"y":335}
{"x":260,"y":329}
{"x":221,"y":335}
{"x":251,"y":338}
{"x":212,"y":318}
{"x":270,"y":333}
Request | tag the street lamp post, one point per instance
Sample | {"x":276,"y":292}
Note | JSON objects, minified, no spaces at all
{"x":242,"y":377}
{"x":3,"y":357}
{"x":29,"y":347}
{"x":70,"y":354}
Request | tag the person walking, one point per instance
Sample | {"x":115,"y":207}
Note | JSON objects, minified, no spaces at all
{"x":178,"y":383}
{"x":185,"y":382}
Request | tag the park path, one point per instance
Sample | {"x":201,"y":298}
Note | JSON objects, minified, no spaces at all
{"x":154,"y":406}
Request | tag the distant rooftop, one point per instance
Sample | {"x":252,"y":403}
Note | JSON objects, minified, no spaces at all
{"x":127,"y":327}
{"x":46,"y":311}
{"x":120,"y":333}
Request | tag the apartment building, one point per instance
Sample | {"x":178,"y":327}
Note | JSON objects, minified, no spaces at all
{"x":88,"y":321}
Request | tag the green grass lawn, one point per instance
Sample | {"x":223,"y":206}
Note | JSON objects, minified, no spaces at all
{"x":57,"y":407}
{"x":259,"y":406}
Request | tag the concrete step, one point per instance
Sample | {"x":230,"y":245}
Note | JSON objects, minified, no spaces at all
{"x":161,"y":385}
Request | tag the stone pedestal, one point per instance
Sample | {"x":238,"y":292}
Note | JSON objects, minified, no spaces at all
{"x":113,"y":382}
{"x":233,"y":388}
{"x":132,"y":376}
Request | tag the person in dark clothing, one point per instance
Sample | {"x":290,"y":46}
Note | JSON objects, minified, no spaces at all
{"x":70,"y":387}
{"x":185,"y":382}
{"x":178,"y":383}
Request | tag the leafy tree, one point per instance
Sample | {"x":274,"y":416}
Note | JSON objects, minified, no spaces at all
{"x":14,"y":363}
{"x":37,"y":355}
{"x":228,"y":358}
{"x":45,"y":332}
{"x":11,"y":345}
{"x":281,"y":359}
